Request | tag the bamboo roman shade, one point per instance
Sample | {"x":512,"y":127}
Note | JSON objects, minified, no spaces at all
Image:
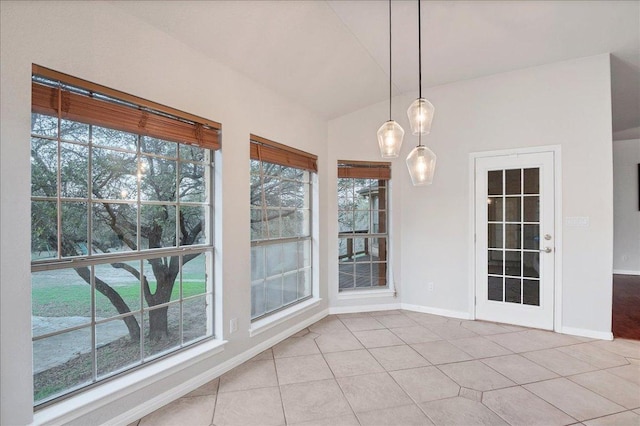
{"x":272,"y":152}
{"x":364,"y":169}
{"x":71,"y":98}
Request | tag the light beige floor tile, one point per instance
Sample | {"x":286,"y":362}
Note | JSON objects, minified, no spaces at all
{"x":300,"y":369}
{"x":450,"y":330}
{"x":578,"y":402}
{"x":416,"y":334}
{"x":210,"y":388}
{"x":302,"y":333}
{"x":559,"y":362}
{"x":250,"y":375}
{"x":395,"y":321}
{"x":328,"y":325}
{"x":479,"y":347}
{"x":422,"y":318}
{"x":441,"y":352}
{"x":551,"y":339}
{"x":629,"y":372}
{"x":628,"y":418}
{"x":313,"y":401}
{"x":295,"y":346}
{"x":347,"y":420}
{"x":637,"y":411}
{"x":352,"y":363}
{"x":372,"y":391}
{"x":425,"y":383}
{"x":611,"y":387}
{"x":625,"y":348}
{"x":254,"y":407}
{"x":460,"y":411}
{"x":398,"y":357}
{"x":337,"y":342}
{"x":472,"y":394}
{"x":520,"y":407}
{"x":475,"y":375}
{"x":136,"y":423}
{"x":594,"y":355}
{"x":196,"y":411}
{"x":407,"y":415}
{"x":264,"y":355}
{"x":362,"y":323}
{"x":531,"y":340}
{"x":484,"y":328}
{"x":519,"y":369}
{"x":386,"y":313}
{"x":354,"y":315}
{"x":377,"y":338}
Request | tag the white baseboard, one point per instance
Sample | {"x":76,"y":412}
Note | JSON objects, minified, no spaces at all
{"x":363,"y":308}
{"x":602,"y":335}
{"x":194,"y":383}
{"x":625,"y":272}
{"x":436,"y":311}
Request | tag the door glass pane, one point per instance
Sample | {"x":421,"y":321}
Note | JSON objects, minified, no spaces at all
{"x":512,"y":263}
{"x":532,"y":209}
{"x":531,"y":292}
{"x":531,"y":264}
{"x":512,"y":236}
{"x":532,"y":181}
{"x":494,"y":181}
{"x":496,"y":261}
{"x":494,"y":209}
{"x":495,"y":235}
{"x":531,"y":236}
{"x":495,"y":289}
{"x":512,"y":290}
{"x":512,"y":209}
{"x":512,"y":182}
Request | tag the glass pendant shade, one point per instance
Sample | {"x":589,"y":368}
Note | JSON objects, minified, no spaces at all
{"x":390,"y":136}
{"x":422,"y":165}
{"x":420,"y":115}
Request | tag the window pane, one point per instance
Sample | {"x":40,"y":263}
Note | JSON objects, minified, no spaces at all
{"x":362,"y":223}
{"x":114,"y":138}
{"x":513,"y":263}
{"x":512,"y":209}
{"x":114,"y":227}
{"x":531,"y":264}
{"x":346,"y":275}
{"x":379,"y":274}
{"x":60,"y":299}
{"x":274,"y":259}
{"x":495,"y":289}
{"x":74,"y":229}
{"x":117,"y":288}
{"x":44,"y":125}
{"x":512,"y":290}
{"x":274,"y":293}
{"x":44,"y":167}
{"x":74,"y":168}
{"x":495,"y":235}
{"x":114,"y":349}
{"x":257,"y":263}
{"x":257,"y":225}
{"x":363,"y":274}
{"x":531,"y":209}
{"x":192,"y":153}
{"x":194,"y":274}
{"x":495,"y":262}
{"x":494,"y":209}
{"x":74,"y":131}
{"x":289,"y":257}
{"x":346,"y":221}
{"x":157,"y":179}
{"x":51,"y":373}
{"x":258,"y":299}
{"x":157,"y":226}
{"x":159,"y":147}
{"x":161,"y":275}
{"x":289,"y":288}
{"x":531,"y":236}
{"x":532,"y":181}
{"x":512,"y":236}
{"x":44,"y":230}
{"x":494,"y":180}
{"x":531,"y":292}
{"x":304,"y":283}
{"x":194,"y":319}
{"x":512,"y":181}
{"x":193,"y":225}
{"x":192,"y":183}
{"x":114,"y":175}
{"x":161,"y":330}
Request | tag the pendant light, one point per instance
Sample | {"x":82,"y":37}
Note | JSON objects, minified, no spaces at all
{"x":390,"y":134}
{"x":421,"y":160}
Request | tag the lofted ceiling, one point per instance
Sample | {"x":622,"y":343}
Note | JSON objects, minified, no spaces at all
{"x":332,"y":56}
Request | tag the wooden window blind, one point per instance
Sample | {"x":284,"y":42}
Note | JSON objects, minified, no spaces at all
{"x":273,"y":152}
{"x":57,"y":94}
{"x":364,"y":169}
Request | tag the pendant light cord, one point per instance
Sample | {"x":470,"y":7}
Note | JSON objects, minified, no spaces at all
{"x":419,"y":53}
{"x":390,"y":79}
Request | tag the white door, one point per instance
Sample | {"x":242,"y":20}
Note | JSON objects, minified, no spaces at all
{"x":514,"y":213}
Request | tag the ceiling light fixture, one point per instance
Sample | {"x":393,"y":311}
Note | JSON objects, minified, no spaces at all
{"x":421,"y":160}
{"x":390,"y":134}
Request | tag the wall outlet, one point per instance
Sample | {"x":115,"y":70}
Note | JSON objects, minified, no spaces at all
{"x":233,"y":325}
{"x":430,"y":286}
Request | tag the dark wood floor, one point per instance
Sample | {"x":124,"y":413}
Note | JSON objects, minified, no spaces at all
{"x":626,"y":306}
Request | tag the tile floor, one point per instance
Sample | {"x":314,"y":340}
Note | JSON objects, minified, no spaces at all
{"x":407,"y":368}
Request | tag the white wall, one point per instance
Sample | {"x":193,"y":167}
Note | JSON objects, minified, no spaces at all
{"x":567,"y":104}
{"x":626,"y":216}
{"x":98,"y":42}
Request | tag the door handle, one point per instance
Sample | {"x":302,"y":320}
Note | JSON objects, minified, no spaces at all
{"x":547,"y":249}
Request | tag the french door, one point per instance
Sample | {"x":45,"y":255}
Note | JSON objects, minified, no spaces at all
{"x":514,"y":250}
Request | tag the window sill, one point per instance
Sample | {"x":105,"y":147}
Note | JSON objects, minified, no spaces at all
{"x":363,"y":294}
{"x":273,"y":320}
{"x":76,"y":406}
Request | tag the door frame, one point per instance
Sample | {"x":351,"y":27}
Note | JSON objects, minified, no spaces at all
{"x":556,"y":150}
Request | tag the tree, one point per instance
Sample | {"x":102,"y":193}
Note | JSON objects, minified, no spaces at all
{"x":114,"y":178}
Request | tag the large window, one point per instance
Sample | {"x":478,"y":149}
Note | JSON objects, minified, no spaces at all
{"x":281,"y":182}
{"x":121,"y":233}
{"x":362,"y":219}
